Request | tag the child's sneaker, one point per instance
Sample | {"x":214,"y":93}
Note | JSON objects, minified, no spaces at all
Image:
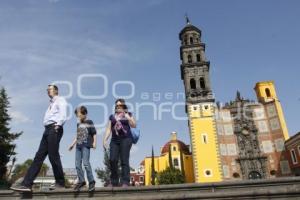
{"x":92,"y":186}
{"x":78,"y":186}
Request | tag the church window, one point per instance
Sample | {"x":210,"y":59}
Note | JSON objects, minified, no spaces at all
{"x":279,"y":145}
{"x":207,"y":172}
{"x":202,"y":83}
{"x":204,"y":138}
{"x":228,"y":129}
{"x":191,"y":40}
{"x":206,"y":107}
{"x":268,"y":93}
{"x":141,"y":179}
{"x":294,"y":157}
{"x":193,"y":83}
{"x":226,"y":171}
{"x":259,"y":113}
{"x":231,"y":149}
{"x":185,"y":40}
{"x":190,"y":59}
{"x":223,"y":149}
{"x":226,"y":116}
{"x":198,"y":58}
{"x":262,"y":126}
{"x":271,"y":111}
{"x":274,"y":124}
{"x":267,"y":146}
{"x":220,"y":129}
{"x":176,"y":164}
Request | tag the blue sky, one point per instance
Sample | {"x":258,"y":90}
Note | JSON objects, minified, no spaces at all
{"x":44,"y":41}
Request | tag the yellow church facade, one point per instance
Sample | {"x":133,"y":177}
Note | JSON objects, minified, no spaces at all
{"x":266,"y":93}
{"x":181,"y":159}
{"x":206,"y":163}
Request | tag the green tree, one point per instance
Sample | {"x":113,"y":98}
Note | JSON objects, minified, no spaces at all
{"x":7,"y":147}
{"x":13,"y":161}
{"x":170,"y":176}
{"x":182,"y":164}
{"x":104,"y":173}
{"x":20,"y":170}
{"x":153,"y":172}
{"x":170,"y":157}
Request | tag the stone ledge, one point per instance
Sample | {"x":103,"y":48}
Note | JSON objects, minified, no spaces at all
{"x":281,"y":188}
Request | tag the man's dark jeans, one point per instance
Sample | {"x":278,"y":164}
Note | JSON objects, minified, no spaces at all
{"x":49,"y":146}
{"x":120,"y":150}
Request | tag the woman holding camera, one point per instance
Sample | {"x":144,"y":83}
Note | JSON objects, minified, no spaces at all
{"x":119,"y":128}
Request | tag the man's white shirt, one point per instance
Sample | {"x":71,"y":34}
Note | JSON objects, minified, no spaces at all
{"x":56,"y":112}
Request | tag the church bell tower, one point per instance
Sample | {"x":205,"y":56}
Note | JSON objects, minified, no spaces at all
{"x":200,"y":105}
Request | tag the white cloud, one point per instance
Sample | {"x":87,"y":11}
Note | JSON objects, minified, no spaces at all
{"x":19,"y":117}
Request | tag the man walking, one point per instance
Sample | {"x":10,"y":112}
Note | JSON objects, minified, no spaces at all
{"x":54,"y":120}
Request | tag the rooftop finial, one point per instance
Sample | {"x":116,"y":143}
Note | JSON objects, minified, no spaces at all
{"x":187,"y":19}
{"x":238,"y":96}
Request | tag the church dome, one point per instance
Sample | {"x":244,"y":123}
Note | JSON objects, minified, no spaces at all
{"x":189,"y":27}
{"x":182,"y":147}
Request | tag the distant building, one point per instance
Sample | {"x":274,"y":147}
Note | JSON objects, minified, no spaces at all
{"x":292,"y":146}
{"x":44,"y":182}
{"x":137,"y":177}
{"x":174,"y":151}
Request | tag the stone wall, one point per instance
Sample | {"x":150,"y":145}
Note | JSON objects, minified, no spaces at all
{"x":279,"y":188}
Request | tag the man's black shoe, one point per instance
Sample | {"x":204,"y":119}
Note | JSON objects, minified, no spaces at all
{"x":78,"y":186}
{"x":92,"y":186}
{"x":20,"y":188}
